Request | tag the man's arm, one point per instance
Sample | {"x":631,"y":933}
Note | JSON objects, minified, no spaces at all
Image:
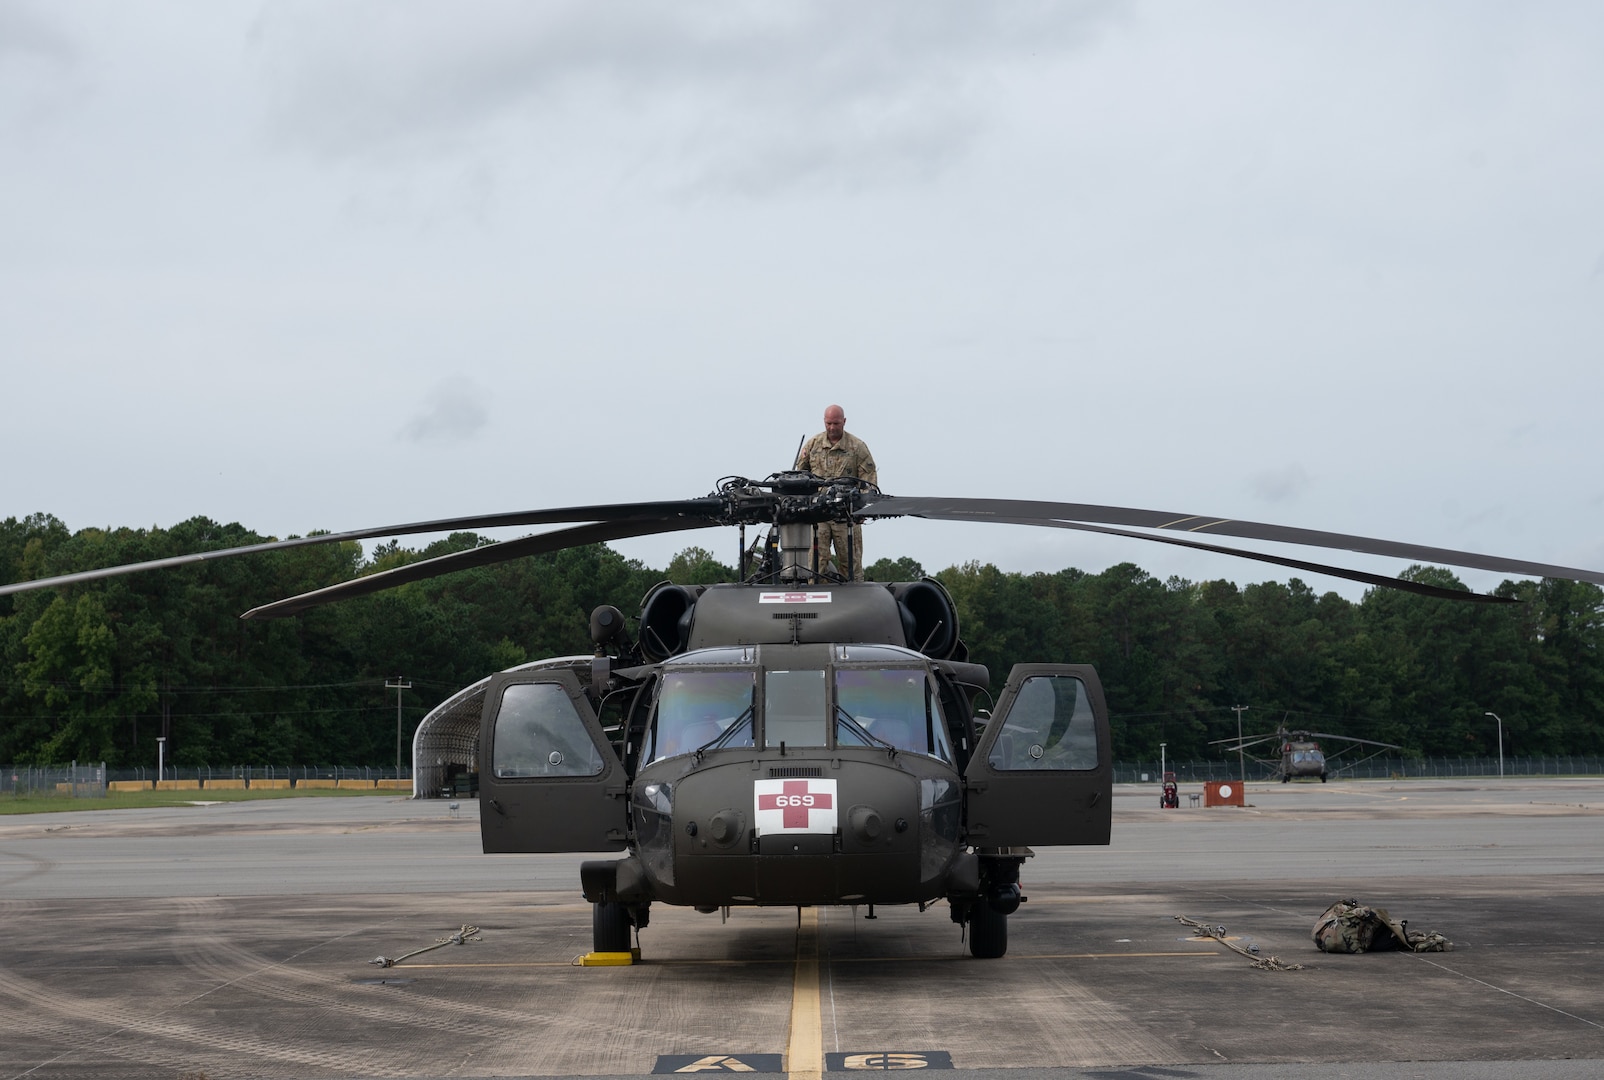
{"x":867,"y":470}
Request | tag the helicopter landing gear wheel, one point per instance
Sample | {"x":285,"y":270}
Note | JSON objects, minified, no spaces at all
{"x":609,"y":927}
{"x":1322,"y":778}
{"x":988,"y":932}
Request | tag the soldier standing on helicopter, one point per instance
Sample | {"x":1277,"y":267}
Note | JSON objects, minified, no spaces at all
{"x":832,"y":453}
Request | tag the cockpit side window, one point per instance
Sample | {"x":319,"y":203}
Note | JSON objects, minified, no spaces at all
{"x":698,"y":708}
{"x":1049,"y":726}
{"x":540,"y":733}
{"x":940,"y":741}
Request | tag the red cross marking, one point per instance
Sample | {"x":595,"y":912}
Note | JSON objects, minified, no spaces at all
{"x":796,"y":800}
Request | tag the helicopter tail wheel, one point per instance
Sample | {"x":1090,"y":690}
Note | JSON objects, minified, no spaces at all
{"x":610,"y":926}
{"x":988,"y":932}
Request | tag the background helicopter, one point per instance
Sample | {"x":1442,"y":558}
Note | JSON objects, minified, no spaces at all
{"x":1299,"y":754}
{"x":795,"y":738}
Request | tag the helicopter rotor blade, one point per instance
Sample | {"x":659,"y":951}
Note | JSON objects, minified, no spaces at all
{"x":1026,"y":511}
{"x":681,"y":508}
{"x":741,"y":501}
{"x":1244,"y":744}
{"x":1350,"y":738}
{"x":487,"y":555}
{"x":1403,"y":584}
{"x":1351,"y":765}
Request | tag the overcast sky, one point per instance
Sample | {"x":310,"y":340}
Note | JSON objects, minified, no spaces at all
{"x":306,"y":265}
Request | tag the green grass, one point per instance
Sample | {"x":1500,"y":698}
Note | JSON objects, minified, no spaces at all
{"x":52,"y":803}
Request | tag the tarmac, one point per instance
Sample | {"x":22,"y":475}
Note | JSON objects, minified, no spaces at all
{"x":237,"y":940}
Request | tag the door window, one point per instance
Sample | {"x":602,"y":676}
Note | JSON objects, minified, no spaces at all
{"x":540,"y":733}
{"x":1050,"y":726}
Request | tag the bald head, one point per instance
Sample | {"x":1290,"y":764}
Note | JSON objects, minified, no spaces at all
{"x":835,"y":423}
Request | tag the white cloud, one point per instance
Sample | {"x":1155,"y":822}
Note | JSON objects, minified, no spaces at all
{"x":38,"y":67}
{"x":453,"y":412}
{"x":741,"y":96}
{"x":27,"y":35}
{"x":1281,"y":485}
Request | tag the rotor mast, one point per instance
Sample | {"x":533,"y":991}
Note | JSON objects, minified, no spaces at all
{"x":792,"y":504}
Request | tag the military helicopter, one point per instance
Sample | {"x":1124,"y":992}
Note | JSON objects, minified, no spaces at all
{"x":797,"y":738}
{"x":1300,"y":755}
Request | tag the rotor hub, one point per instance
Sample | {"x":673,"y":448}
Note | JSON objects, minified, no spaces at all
{"x":792,"y":498}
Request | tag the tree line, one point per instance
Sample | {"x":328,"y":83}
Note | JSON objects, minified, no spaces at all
{"x":97,"y":671}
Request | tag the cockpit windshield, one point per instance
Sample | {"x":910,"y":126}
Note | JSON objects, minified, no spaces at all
{"x":871,"y":705}
{"x":794,"y":709}
{"x":889,"y":707}
{"x":696,"y":709}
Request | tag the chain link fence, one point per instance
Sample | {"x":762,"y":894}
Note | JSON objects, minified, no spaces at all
{"x":95,"y":780}
{"x":79,"y":781}
{"x":92,"y":781}
{"x":1377,"y":768}
{"x":266,"y":772}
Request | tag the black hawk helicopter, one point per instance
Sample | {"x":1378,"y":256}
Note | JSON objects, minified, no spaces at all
{"x":797,"y":738}
{"x":1299,"y":755}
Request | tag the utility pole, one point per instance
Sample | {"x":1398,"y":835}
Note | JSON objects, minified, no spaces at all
{"x":399,"y":685}
{"x":1241,"y":761}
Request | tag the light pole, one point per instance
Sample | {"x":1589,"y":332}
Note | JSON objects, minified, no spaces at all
{"x":1161,"y":766}
{"x":161,"y":751}
{"x":1500,"y":742}
{"x":1242,"y":761}
{"x":399,"y":685}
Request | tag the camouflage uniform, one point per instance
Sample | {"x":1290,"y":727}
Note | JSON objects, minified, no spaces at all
{"x":1350,"y":927}
{"x":849,"y":457}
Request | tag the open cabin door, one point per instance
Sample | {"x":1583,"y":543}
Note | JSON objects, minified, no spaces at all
{"x":1042,"y":772}
{"x":549,"y":780}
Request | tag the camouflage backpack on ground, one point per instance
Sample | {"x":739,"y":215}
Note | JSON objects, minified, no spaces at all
{"x":1350,"y":927}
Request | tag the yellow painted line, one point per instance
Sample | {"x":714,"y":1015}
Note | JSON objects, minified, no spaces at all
{"x":804,"y":1054}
